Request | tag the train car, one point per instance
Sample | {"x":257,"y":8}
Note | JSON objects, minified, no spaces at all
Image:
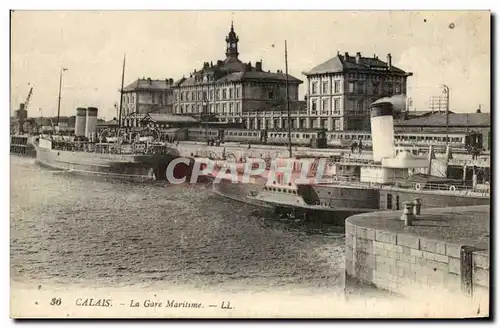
{"x":244,"y":136}
{"x":202,"y":134}
{"x":307,"y":138}
{"x":344,"y":139}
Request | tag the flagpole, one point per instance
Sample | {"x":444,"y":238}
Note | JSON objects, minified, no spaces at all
{"x":59,"y":101}
{"x":121,"y":94}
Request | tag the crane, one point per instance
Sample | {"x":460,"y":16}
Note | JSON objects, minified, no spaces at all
{"x":27,"y":101}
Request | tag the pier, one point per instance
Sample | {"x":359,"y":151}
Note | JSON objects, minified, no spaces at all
{"x":420,"y":252}
{"x":20,"y":145}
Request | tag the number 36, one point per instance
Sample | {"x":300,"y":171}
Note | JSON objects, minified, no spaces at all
{"x":55,"y":301}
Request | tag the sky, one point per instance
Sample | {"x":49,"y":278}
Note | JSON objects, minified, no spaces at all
{"x":439,"y":47}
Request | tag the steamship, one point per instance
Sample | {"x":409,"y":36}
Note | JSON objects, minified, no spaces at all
{"x":355,"y":184}
{"x":135,"y":158}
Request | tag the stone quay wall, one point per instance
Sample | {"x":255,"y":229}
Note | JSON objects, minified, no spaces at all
{"x":405,"y":263}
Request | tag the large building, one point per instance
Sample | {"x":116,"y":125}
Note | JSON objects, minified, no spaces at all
{"x":230,"y":89}
{"x":146,"y":96}
{"x":340,"y":90}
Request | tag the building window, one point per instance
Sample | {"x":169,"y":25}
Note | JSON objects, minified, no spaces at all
{"x":224,"y":108}
{"x":325,"y":108}
{"x":224,"y":94}
{"x":337,"y":86}
{"x":230,"y":93}
{"x":360,"y":86}
{"x":217,"y":95}
{"x":193,"y":95}
{"x":199,"y":95}
{"x":205,"y":96}
{"x":211,"y":108}
{"x":314,"y":87}
{"x":182,"y":96}
{"x":231,"y":108}
{"x":375,"y":88}
{"x":397,"y":88}
{"x":388,"y":89}
{"x":199,"y":108}
{"x":325,"y":87}
{"x":350,"y":87}
{"x":211,"y":94}
{"x":336,"y":104}
{"x":217,"y":108}
{"x":271,"y":95}
{"x":314,"y":106}
{"x":237,"y":107}
{"x":360,"y":105}
{"x":182,"y":109}
{"x":237,"y":92}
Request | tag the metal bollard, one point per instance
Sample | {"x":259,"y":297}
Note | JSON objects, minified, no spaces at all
{"x":417,"y":206}
{"x":408,"y":215}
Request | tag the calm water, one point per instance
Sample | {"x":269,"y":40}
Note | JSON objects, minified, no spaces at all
{"x":89,"y":232}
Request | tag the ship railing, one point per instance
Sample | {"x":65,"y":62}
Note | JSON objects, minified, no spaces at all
{"x":461,"y":189}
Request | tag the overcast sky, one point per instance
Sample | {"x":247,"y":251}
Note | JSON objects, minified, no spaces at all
{"x":450,"y":48}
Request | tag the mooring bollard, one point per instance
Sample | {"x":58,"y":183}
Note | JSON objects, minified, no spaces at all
{"x":417,"y":206}
{"x":408,"y":215}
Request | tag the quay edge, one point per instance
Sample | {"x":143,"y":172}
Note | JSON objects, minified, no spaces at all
{"x":443,"y":253}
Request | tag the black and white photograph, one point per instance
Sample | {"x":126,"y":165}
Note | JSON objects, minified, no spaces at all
{"x":250,"y":164}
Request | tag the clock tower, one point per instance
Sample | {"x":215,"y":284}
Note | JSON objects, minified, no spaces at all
{"x":232,"y":44}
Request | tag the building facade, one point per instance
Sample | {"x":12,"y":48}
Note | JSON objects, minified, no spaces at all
{"x":340,"y":90}
{"x":230,"y":89}
{"x":146,"y":95}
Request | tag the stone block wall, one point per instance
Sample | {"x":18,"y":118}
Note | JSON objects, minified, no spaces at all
{"x":403,"y":263}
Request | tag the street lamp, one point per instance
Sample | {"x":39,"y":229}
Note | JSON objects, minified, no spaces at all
{"x":446,"y":91}
{"x":60,"y":87}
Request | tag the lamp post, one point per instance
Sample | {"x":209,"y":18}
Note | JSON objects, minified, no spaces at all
{"x":288,"y":103}
{"x":60,"y":87}
{"x":205,"y":112}
{"x":446,"y":91}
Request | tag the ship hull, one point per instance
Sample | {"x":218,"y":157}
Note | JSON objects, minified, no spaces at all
{"x":128,"y":167}
{"x":247,"y":192}
{"x":333,"y":204}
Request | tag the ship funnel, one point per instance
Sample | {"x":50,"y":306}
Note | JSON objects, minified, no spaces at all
{"x":382,"y":126}
{"x":91,"y":124}
{"x":81,"y":117}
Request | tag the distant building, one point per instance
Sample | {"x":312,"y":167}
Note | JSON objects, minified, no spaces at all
{"x":230,"y":88}
{"x":341,"y":90}
{"x":457,"y":122}
{"x":157,"y":120}
{"x":146,"y":95}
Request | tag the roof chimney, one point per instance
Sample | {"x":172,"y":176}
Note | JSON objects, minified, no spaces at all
{"x":258,"y":66}
{"x":211,"y":64}
{"x":346,"y":55}
{"x":389,"y":61}
{"x":358,"y":57}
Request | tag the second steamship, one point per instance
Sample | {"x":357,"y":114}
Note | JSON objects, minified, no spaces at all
{"x":131,"y":157}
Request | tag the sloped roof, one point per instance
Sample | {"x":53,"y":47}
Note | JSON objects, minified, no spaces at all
{"x":454,"y":119}
{"x":158,"y":117}
{"x":341,"y":63}
{"x":147,"y":84}
{"x":245,"y":76}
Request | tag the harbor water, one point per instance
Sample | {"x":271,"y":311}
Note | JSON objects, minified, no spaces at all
{"x":90,"y":232}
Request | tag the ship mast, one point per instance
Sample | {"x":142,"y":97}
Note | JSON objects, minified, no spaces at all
{"x":121,"y":94}
{"x":288,"y":103}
